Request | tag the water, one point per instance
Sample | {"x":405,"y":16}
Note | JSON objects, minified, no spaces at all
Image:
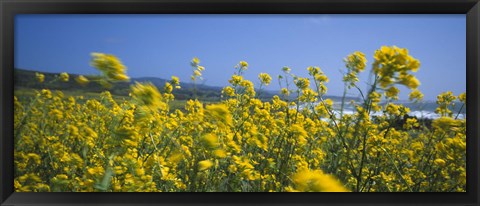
{"x":420,"y":110}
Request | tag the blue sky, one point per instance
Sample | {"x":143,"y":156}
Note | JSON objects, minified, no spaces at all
{"x":163,"y":45}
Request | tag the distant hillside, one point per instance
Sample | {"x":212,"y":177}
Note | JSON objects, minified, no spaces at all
{"x":26,"y":79}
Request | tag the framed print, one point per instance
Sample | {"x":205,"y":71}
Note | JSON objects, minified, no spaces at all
{"x":202,"y":102}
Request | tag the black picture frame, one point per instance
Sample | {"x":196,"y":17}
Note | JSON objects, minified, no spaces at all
{"x":10,"y":8}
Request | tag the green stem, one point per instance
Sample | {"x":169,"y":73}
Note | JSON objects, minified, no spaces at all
{"x":343,"y":101}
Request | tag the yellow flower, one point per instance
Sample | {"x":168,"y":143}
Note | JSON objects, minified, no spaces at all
{"x":121,"y":77}
{"x":265,"y":78}
{"x":415,"y":94}
{"x":243,"y":65}
{"x":229,"y":91}
{"x":175,"y":80}
{"x":313,"y":70}
{"x":392,"y":65}
{"x":138,"y":144}
{"x":46,"y":93}
{"x":248,"y":86}
{"x":168,"y":87}
{"x":220,"y":112}
{"x":316,"y":181}
{"x":440,"y":162}
{"x":299,"y":133}
{"x":197,"y":73}
{"x":285,"y":91}
{"x":308,"y":95}
{"x":410,"y":81}
{"x":444,"y":100}
{"x":82,"y":80}
{"x":302,"y":83}
{"x":356,"y":62}
{"x":205,"y":164}
{"x":220,"y":153}
{"x":110,"y":66}
{"x":392,"y":92}
{"x":210,"y":140}
{"x":148,"y":95}
{"x":445,"y":123}
{"x":40,"y":77}
{"x":62,"y":177}
{"x":64,"y":77}
{"x":462,"y":97}
{"x":35,"y":157}
{"x":236,"y":79}
{"x":393,"y":109}
{"x":321,"y":77}
{"x":410,"y":123}
{"x":328,"y":103}
{"x":417,"y":145}
{"x":195,"y":61}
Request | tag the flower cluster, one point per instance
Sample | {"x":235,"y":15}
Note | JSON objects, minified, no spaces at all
{"x":355,"y":64}
{"x":197,"y":69}
{"x":40,"y":77}
{"x":110,"y":66}
{"x":393,"y":66}
{"x":264,"y":78}
{"x":241,"y":143}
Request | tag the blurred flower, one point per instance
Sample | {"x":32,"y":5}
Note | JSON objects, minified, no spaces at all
{"x":40,"y":77}
{"x":82,"y":80}
{"x":265,"y":78}
{"x":110,"y":66}
{"x":64,"y":77}
{"x":195,"y":61}
{"x":205,"y":164}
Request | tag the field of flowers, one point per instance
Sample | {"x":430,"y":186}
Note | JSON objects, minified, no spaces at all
{"x":241,"y":144}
